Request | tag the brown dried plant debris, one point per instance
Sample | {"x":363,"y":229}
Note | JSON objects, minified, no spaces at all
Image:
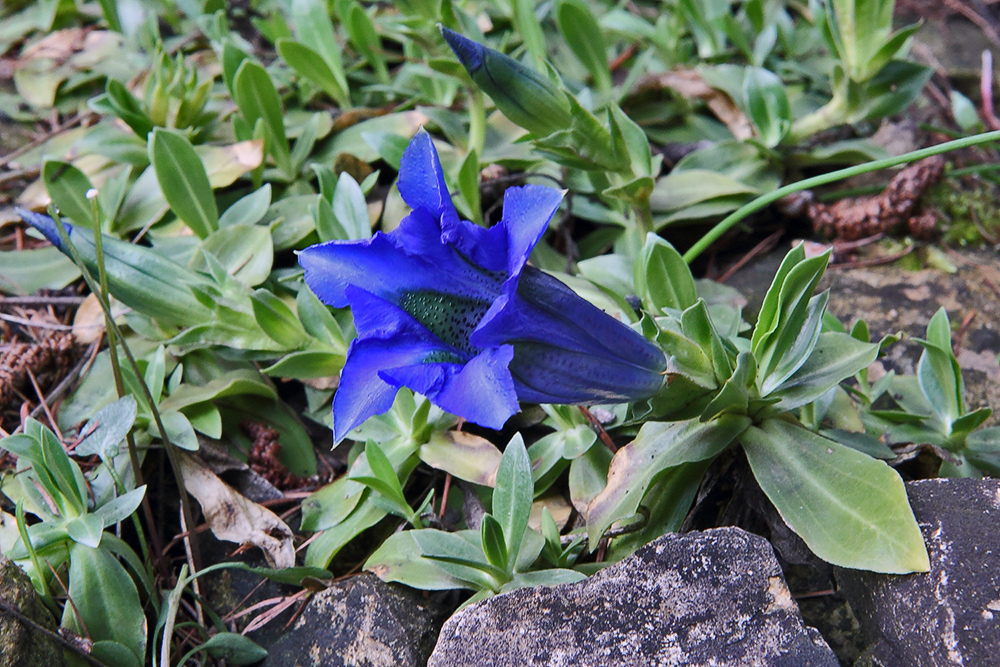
{"x":48,"y":358}
{"x":896,"y":208}
{"x":263,"y":458}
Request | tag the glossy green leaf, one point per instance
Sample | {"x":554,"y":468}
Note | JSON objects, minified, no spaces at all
{"x":850,"y":509}
{"x":468,"y":186}
{"x":307,"y":365}
{"x":310,"y":65}
{"x":106,"y":600}
{"x":530,"y":29}
{"x":834,"y":358}
{"x":108,"y":428}
{"x":735,"y":393}
{"x":314,"y":28}
{"x":588,"y":476}
{"x":318,"y":321}
{"x":494,"y":544}
{"x":361,"y":30}
{"x":67,"y":479}
{"x":120,"y":508}
{"x":86,"y":530}
{"x":657,"y":447}
{"x":25,"y":272}
{"x":234,"y":648}
{"x":258,"y":100}
{"x":402,"y":558}
{"x":184,"y":181}
{"x":582,"y":33}
{"x":513,"y":493}
{"x":383,"y":471}
{"x":68,"y":187}
{"x":330,"y":541}
{"x":662,"y":277}
{"x":179,"y":430}
{"x":794,"y":345}
{"x":788,"y":309}
{"x":277,"y":319}
{"x":248,"y":210}
{"x":245,"y":252}
{"x":767,"y":105}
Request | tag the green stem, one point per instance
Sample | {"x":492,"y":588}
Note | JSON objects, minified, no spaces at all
{"x":113,"y":327}
{"x":116,"y":371}
{"x":764,"y":200}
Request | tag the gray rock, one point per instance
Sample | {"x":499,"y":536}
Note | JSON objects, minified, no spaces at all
{"x":710,"y":598}
{"x":361,"y":622}
{"x":21,"y":646}
{"x":891,"y":299}
{"x":950,"y":615}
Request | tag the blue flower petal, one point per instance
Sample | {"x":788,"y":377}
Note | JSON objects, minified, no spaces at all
{"x":331,"y":267}
{"x":421,"y":180}
{"x":410,"y":258}
{"x":526,"y":214}
{"x":362,"y":393}
{"x":482,"y":391}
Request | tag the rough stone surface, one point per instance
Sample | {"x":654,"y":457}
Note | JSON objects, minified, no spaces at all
{"x":950,"y":615}
{"x":361,"y":622}
{"x":710,"y":598}
{"x":21,"y":646}
{"x":891,"y":299}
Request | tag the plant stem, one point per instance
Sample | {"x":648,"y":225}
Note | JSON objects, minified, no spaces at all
{"x":113,"y":327}
{"x":766,"y":199}
{"x":116,"y":371}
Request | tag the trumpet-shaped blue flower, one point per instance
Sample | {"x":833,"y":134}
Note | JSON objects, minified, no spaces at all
{"x":452,"y":311}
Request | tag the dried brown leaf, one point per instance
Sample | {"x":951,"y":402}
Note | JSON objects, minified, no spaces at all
{"x":234,"y":518}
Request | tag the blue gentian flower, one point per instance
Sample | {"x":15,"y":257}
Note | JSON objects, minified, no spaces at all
{"x":452,"y":311}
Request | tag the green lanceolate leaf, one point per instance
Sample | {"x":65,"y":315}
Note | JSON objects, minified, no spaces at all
{"x":494,"y":544}
{"x":184,"y":181}
{"x":248,"y":210}
{"x":530,"y":29}
{"x":433,"y":560}
{"x":513,"y":493}
{"x":234,"y":648}
{"x":788,"y":309}
{"x":310,"y":65}
{"x":938,"y":371}
{"x":791,"y":351}
{"x":735,"y":393}
{"x":86,"y":530}
{"x":361,"y":31}
{"x":257,"y":99}
{"x":767,"y":105}
{"x":384,"y":474}
{"x":850,"y":509}
{"x":68,"y":187}
{"x":662,"y":277}
{"x":657,"y":447}
{"x":581,"y":31}
{"x":106,"y":600}
{"x":835,"y":357}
